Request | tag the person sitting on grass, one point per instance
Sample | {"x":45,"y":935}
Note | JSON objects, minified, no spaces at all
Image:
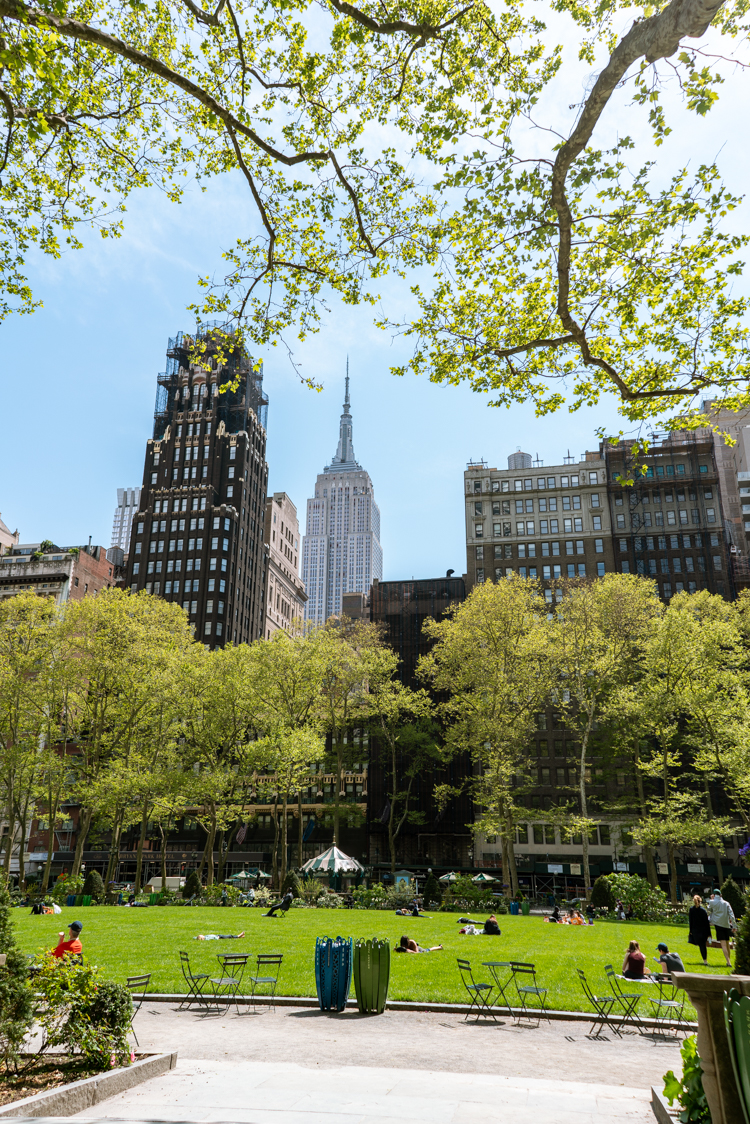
{"x":554,"y":917}
{"x":491,"y":927}
{"x":671,"y":960}
{"x":408,"y":945}
{"x":220,"y":936}
{"x":634,"y":963}
{"x":283,"y":905}
{"x":72,"y":946}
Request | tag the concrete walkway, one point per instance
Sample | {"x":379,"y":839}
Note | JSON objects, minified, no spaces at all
{"x":300,"y":1066}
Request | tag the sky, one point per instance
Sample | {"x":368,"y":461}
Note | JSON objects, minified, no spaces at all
{"x":79,"y":379}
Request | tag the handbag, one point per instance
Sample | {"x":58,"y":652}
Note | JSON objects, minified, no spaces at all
{"x":692,"y":939}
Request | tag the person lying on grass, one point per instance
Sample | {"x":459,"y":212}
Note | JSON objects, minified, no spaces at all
{"x":220,"y":936}
{"x":408,"y":945}
{"x":490,"y":927}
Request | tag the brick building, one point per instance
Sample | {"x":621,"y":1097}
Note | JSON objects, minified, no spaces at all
{"x":67,"y":574}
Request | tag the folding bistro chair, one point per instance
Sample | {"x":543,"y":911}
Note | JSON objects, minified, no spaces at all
{"x":529,"y":991}
{"x":266,"y":962}
{"x":666,"y":1008}
{"x":627,"y":1001}
{"x":137,"y":986}
{"x":228,"y":984}
{"x":195,"y":983}
{"x":602,"y":1004}
{"x":479,"y":992}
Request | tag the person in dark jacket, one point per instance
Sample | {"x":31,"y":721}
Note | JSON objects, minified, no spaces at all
{"x":491,"y":927}
{"x":283,"y":905}
{"x":700,"y":929}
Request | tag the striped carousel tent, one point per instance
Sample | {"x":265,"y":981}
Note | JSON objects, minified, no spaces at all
{"x":332,"y":861}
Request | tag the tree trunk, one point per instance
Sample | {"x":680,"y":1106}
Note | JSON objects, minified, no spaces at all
{"x":300,"y":831}
{"x":141,"y":840}
{"x":392,"y":815}
{"x":21,"y":861}
{"x":275,"y":856}
{"x":337,"y":790}
{"x":672,"y":873}
{"x":648,"y":852}
{"x":114,"y":851}
{"x":203,"y":856}
{"x":84,"y":823}
{"x":224,"y":851}
{"x":210,"y":851}
{"x":52,"y":808}
{"x":584,"y":813}
{"x":512,"y":854}
{"x":505,"y":865}
{"x":163,"y":834}
{"x":284,"y":840}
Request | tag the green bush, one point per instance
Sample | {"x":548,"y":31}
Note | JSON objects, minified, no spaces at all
{"x":94,"y":886}
{"x":742,"y":947}
{"x":647,"y":902}
{"x":374,"y":898}
{"x":292,"y":882}
{"x":601,"y":895}
{"x":81,"y":1012}
{"x":193,"y":887}
{"x":731,"y":893}
{"x":16,"y":999}
{"x":328,"y":900}
{"x":688,"y":1089}
{"x":432,"y":894}
{"x":65,"y":886}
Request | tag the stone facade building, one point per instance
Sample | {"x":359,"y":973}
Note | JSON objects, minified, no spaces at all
{"x":286,"y":597}
{"x":67,"y":574}
{"x":128,"y":502}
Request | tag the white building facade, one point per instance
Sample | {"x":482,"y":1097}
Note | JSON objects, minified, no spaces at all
{"x":341,"y":551}
{"x":128,"y":501}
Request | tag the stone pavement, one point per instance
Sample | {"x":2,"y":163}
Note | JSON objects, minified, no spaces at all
{"x":300,"y":1066}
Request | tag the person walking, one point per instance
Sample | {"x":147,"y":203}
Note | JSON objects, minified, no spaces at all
{"x":722,"y":918}
{"x":700,"y":927}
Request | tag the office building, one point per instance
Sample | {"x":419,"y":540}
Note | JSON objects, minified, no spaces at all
{"x":197,"y":538}
{"x":65,"y":573}
{"x":545,"y":523}
{"x":128,"y":501}
{"x":285,"y":597}
{"x":668,"y":524}
{"x":341,"y":550}
{"x":8,"y":539}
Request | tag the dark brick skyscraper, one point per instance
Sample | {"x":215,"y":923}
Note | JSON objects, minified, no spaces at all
{"x":198,"y":536}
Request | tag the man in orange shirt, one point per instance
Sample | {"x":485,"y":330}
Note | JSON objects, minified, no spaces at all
{"x":72,"y":946}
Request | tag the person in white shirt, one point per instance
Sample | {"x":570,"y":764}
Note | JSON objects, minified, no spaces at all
{"x":722,"y":918}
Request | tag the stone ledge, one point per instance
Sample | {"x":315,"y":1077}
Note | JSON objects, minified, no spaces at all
{"x":405,"y":1005}
{"x":660,"y":1106}
{"x":73,"y":1098}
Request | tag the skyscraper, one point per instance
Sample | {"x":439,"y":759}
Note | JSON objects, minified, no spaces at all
{"x":341,"y":551}
{"x":197,"y":537}
{"x":128,"y":501}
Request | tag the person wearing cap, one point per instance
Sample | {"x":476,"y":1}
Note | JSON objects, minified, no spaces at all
{"x":71,"y":947}
{"x":722,"y":918}
{"x":671,"y":961}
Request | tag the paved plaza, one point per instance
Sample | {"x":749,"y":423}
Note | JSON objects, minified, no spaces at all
{"x":299,"y":1066}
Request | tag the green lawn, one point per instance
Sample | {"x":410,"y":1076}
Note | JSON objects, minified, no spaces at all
{"x":127,"y":941}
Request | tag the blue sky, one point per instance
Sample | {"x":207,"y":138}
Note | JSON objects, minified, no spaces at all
{"x":80,"y":378}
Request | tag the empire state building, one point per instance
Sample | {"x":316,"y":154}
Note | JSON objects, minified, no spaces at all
{"x":341,"y":551}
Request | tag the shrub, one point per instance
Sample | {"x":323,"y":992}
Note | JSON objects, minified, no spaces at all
{"x":742,"y":947}
{"x":292,"y":882}
{"x":65,"y":886}
{"x":731,"y":893}
{"x":193,"y":887}
{"x":601,"y":895}
{"x":688,"y":1089}
{"x":81,"y":1012}
{"x":264,"y":897}
{"x":432,"y":893}
{"x":647,"y":902}
{"x":16,"y":999}
{"x":328,"y":900}
{"x":311,"y":888}
{"x":94,"y":886}
{"x":374,"y":898}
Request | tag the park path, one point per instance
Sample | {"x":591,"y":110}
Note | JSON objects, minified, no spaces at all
{"x":300,"y":1066}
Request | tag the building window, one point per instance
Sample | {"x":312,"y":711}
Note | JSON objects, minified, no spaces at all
{"x":710,"y":515}
{"x":597,"y":522}
{"x":600,"y":569}
{"x":581,"y":569}
{"x":219,"y":628}
{"x":478,"y":530}
{"x":207,"y":628}
{"x":136,"y":570}
{"x":667,"y":590}
{"x":599,"y":546}
{"x":717,"y":561}
{"x":232,"y":452}
{"x":625,"y":567}
{"x":230,"y":491}
{"x":480,"y":552}
{"x":154,"y":476}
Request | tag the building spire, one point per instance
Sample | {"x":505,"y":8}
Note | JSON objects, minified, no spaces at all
{"x":345,"y":451}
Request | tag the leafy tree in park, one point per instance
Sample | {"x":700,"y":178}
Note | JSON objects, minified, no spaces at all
{"x":731,"y":892}
{"x":193,"y":886}
{"x":287,"y":755}
{"x":490,"y":658}
{"x":596,"y":641}
{"x":431,"y":892}
{"x":121,"y":645}
{"x":16,"y":998}
{"x":601,"y":894}
{"x":93,"y":886}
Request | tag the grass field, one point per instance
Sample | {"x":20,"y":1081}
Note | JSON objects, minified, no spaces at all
{"x":125,"y":942}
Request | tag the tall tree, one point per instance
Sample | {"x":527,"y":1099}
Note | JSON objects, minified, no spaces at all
{"x":489,"y":659}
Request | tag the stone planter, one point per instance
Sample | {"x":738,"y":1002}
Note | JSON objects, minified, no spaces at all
{"x":706,"y":993}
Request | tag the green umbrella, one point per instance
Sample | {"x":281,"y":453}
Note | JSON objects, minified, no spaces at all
{"x":483,"y":878}
{"x":448,"y":877}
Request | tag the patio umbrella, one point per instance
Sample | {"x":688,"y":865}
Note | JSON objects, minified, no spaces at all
{"x":483,"y":878}
{"x":448,"y":877}
{"x":236,"y":877}
{"x":332,"y":861}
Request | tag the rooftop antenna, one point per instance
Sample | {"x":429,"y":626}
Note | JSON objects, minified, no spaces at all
{"x":346,"y":396}
{"x":568,"y":459}
{"x":538,"y":463}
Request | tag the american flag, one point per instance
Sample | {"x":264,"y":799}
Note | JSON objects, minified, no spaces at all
{"x":242,"y":833}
